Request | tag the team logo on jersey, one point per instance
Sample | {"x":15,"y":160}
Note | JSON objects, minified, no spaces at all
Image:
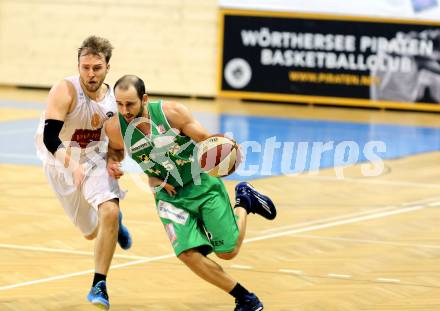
{"x":96,"y":121}
{"x":144,"y":158}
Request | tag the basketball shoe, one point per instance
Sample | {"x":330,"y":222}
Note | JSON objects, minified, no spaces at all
{"x":254,"y":202}
{"x":98,"y":296}
{"x":249,"y":303}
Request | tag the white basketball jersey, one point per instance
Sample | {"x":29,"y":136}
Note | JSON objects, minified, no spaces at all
{"x":83,"y":126}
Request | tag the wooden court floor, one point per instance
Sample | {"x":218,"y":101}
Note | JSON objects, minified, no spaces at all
{"x":355,"y":243}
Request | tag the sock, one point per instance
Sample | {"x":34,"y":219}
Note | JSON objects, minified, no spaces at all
{"x":98,"y":278}
{"x":239,"y":292}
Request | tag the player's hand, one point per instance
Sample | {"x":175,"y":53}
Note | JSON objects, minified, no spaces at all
{"x":157,"y":184}
{"x":114,"y":169}
{"x":169,"y":189}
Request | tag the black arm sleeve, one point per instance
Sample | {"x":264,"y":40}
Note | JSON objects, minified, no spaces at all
{"x":51,"y":139}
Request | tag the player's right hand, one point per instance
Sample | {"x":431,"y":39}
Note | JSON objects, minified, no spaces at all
{"x":114,"y":169}
{"x":156,"y":184}
{"x":169,"y":189}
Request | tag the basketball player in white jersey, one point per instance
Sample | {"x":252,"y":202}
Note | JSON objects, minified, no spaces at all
{"x":73,"y":149}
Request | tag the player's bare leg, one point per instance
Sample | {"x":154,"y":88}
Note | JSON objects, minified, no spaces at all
{"x":213,"y":273}
{"x":105,"y":244}
{"x":207,"y":269}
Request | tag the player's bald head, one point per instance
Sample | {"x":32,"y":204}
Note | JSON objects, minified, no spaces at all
{"x":125,"y":82}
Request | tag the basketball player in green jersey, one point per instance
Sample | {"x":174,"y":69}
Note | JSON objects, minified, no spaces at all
{"x":194,"y":207}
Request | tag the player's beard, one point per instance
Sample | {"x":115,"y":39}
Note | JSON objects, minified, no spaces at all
{"x":129,"y":116}
{"x":141,"y":111}
{"x":92,"y":87}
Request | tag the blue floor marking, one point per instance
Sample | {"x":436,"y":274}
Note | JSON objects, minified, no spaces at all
{"x":21,"y":105}
{"x":17,"y":142}
{"x":400,"y":140}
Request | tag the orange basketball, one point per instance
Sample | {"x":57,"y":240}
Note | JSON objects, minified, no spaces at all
{"x":218,"y":155}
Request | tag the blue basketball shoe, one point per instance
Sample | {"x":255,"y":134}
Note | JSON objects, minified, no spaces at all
{"x":254,"y":202}
{"x":124,"y":238}
{"x":98,"y":296}
{"x":249,"y":303}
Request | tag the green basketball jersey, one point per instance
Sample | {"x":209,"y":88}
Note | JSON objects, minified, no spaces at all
{"x":201,"y":204}
{"x":164,"y":153}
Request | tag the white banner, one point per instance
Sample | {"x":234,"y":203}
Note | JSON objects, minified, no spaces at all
{"x":413,"y":9}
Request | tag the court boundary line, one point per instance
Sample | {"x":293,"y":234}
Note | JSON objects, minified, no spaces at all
{"x":63,"y":251}
{"x":69,"y":275}
{"x":333,"y":218}
{"x":364,"y":241}
{"x":433,"y":201}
